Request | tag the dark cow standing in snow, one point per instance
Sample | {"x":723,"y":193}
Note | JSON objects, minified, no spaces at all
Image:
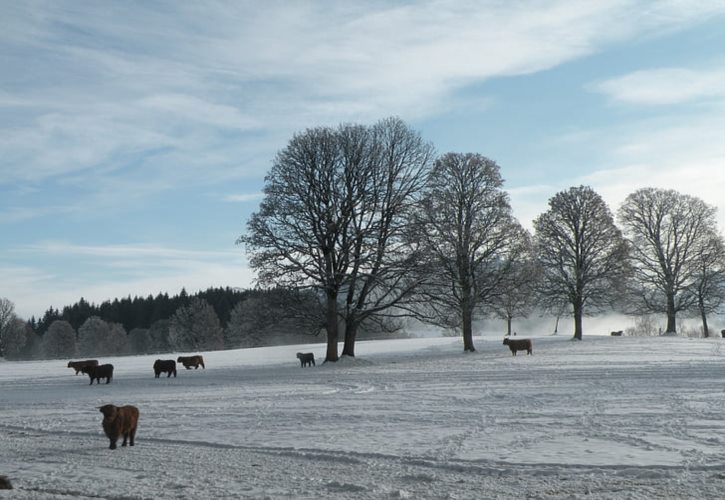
{"x":306,"y":358}
{"x":77,"y":365}
{"x":519,"y":345}
{"x":164,"y":366}
{"x":98,"y":372}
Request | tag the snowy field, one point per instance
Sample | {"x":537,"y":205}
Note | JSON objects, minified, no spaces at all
{"x":603,"y":418}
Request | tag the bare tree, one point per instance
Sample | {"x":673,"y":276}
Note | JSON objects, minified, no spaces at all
{"x":582,"y":254}
{"x":470,"y":237}
{"x":668,"y":232}
{"x":195,"y":326}
{"x":709,"y":280}
{"x":7,"y":318}
{"x":516,"y":297}
{"x":330,"y":219}
{"x":381,"y":285}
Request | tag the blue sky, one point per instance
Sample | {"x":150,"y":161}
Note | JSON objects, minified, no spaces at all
{"x":135,"y":136}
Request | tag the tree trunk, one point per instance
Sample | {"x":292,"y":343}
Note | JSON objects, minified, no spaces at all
{"x":705,"y":329}
{"x":468,"y":329}
{"x":578,"y":328}
{"x":332,"y":328}
{"x":508,"y":326}
{"x":348,"y":348}
{"x":556,"y":325}
{"x":671,"y":315}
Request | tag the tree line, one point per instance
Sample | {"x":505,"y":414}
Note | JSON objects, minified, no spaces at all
{"x":376,"y":226}
{"x":362,"y":227}
{"x":216,"y":318}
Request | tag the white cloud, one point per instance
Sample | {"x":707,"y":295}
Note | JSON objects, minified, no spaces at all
{"x":188,"y":76}
{"x":664,"y":86}
{"x":123,"y":251}
{"x":243,"y":198}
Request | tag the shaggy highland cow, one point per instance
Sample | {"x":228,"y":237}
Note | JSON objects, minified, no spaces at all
{"x":519,"y":345}
{"x":120,"y":421}
{"x":77,"y":365}
{"x":306,"y":358}
{"x":163,"y":366}
{"x":99,"y":372}
{"x":189,"y":361}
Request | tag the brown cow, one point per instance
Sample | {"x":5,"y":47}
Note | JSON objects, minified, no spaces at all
{"x":77,"y":365}
{"x":119,"y":421}
{"x":189,"y":361}
{"x":617,"y":333}
{"x":519,"y":345}
{"x":5,"y":483}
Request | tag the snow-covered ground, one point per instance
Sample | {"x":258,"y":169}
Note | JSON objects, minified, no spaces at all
{"x":605,"y":418}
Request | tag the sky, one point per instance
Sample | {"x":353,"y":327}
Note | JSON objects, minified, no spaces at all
{"x":135,"y":136}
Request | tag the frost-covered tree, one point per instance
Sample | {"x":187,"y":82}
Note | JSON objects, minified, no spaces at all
{"x":97,"y":337}
{"x":139,"y":341}
{"x":248,"y":323}
{"x":15,"y":338}
{"x":117,"y":339}
{"x":94,"y":337}
{"x":581,"y":253}
{"x":470,"y":237}
{"x":60,"y":340}
{"x":7,"y":318}
{"x":266,"y":314}
{"x":668,"y":232}
{"x":159,"y":332}
{"x":196,"y":327}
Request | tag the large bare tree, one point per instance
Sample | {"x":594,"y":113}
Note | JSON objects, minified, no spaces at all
{"x":582,"y":254}
{"x":470,"y":236}
{"x":668,"y":231}
{"x":332,"y":220}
